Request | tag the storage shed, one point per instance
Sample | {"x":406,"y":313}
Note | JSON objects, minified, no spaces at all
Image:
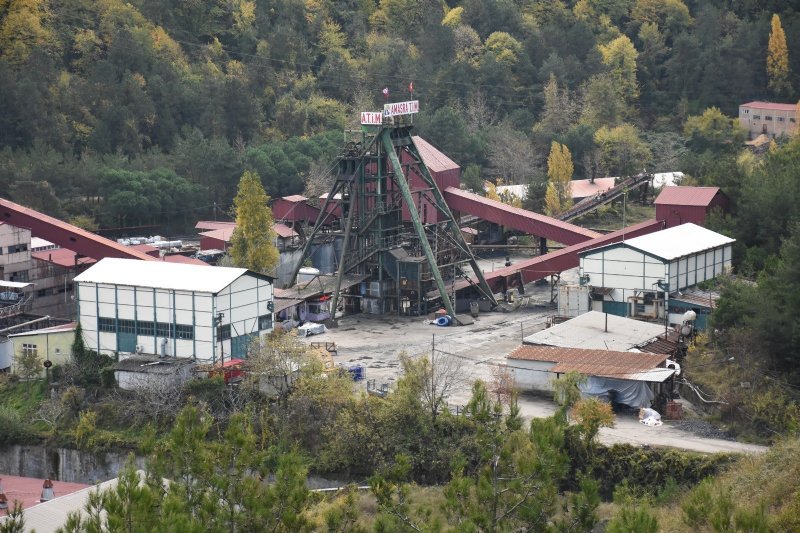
{"x":142,"y":372}
{"x":678,"y":205}
{"x":180,"y":310}
{"x":630,"y":378}
{"x":635,"y":277}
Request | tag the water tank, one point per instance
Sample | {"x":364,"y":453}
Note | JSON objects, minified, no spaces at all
{"x":6,"y":353}
{"x":306,"y":274}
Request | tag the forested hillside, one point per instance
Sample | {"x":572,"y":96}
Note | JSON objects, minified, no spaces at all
{"x":149,"y":111}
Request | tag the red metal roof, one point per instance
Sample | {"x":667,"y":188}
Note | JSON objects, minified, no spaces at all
{"x":213,"y":224}
{"x":605,"y":363}
{"x":62,"y":257}
{"x":28,"y":490}
{"x":224,"y":234}
{"x":284,"y":231}
{"x":771,"y":105}
{"x":680,"y":195}
{"x":65,"y":235}
{"x":585,"y":188}
{"x":184,"y":260}
{"x":295,"y":198}
{"x":517,"y":218}
{"x":433,"y":158}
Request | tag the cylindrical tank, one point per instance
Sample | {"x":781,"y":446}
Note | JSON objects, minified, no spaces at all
{"x":306,"y":274}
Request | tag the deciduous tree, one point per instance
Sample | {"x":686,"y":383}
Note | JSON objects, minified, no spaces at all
{"x":253,"y":240}
{"x":558,"y":197}
{"x":778,"y":59}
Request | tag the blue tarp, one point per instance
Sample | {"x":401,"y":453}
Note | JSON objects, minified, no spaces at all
{"x":625,"y":391}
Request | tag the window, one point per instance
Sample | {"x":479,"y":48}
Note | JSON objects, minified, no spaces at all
{"x":756,"y":117}
{"x":184,"y":332}
{"x":264,"y":322}
{"x":163,"y":329}
{"x":126,"y":326}
{"x":41,"y":293}
{"x":17,"y":248}
{"x":21,"y":276}
{"x":145,"y":328}
{"x":780,"y":119}
{"x":792,"y":120}
{"x":29,"y":350}
{"x":767,"y":117}
{"x":224,"y":332}
{"x":107,"y":324}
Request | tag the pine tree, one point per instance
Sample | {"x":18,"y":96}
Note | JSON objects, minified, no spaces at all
{"x":253,"y":240}
{"x":778,"y":59}
{"x":558,"y":197}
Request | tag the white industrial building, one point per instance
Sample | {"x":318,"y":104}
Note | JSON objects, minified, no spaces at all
{"x":635,"y":277}
{"x":180,"y":310}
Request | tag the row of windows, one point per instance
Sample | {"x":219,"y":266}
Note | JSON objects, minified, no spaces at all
{"x":767,"y":117}
{"x":55,"y":290}
{"x":224,"y":331}
{"x":146,"y":327}
{"x":15,"y":248}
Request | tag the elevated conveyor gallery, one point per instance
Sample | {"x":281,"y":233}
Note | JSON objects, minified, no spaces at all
{"x":80,"y":241}
{"x":558,"y":261}
{"x":516,"y":218}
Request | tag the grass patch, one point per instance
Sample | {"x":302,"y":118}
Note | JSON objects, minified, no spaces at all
{"x":609,"y":217}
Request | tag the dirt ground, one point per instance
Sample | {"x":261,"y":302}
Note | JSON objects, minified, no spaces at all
{"x":377,"y":343}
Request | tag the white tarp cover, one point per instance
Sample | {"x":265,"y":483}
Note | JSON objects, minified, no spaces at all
{"x":632,"y":393}
{"x":311,"y":328}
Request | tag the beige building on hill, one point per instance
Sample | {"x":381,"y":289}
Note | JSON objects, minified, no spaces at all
{"x":768,"y":118}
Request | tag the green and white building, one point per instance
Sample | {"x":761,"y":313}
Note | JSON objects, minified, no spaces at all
{"x":205,"y":313}
{"x":635,"y":277}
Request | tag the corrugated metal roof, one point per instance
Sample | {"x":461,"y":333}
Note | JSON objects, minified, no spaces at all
{"x":771,"y":105}
{"x":62,"y":257}
{"x":679,"y":241}
{"x":680,"y":195}
{"x":213,"y":224}
{"x":589,"y":331}
{"x":294,"y":198}
{"x":162,"y":275}
{"x":184,"y":260}
{"x":284,"y":231}
{"x":585,"y":188}
{"x":14,"y":284}
{"x":55,"y":329}
{"x":434,"y":159}
{"x":697,"y":297}
{"x":152,"y":365}
{"x":597,"y":362}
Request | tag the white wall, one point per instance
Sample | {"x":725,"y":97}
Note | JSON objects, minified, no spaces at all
{"x":531,"y":375}
{"x":689,"y":271}
{"x":623,"y":268}
{"x":242,"y":303}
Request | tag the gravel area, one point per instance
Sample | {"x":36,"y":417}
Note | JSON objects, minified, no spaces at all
{"x":701,"y":428}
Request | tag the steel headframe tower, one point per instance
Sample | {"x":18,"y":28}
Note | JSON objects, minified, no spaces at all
{"x":372,"y":187}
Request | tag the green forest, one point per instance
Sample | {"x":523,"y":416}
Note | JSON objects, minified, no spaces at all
{"x":147,"y":112}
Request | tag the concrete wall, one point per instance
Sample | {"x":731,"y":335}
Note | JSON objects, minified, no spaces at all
{"x":141,"y":380}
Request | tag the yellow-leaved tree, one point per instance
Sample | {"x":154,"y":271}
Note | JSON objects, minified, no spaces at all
{"x":558,"y":197}
{"x":778,"y":59}
{"x":253,"y":240}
